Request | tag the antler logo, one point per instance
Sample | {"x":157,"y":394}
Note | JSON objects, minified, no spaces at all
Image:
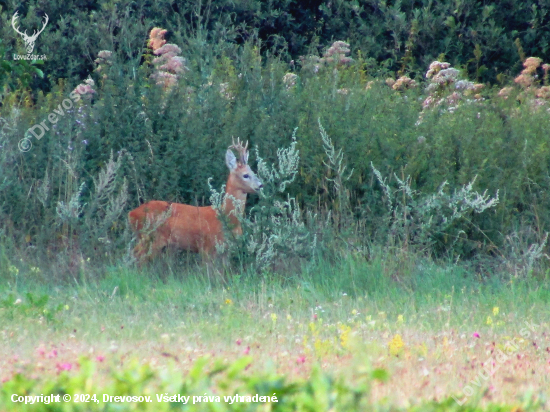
{"x":29,"y":40}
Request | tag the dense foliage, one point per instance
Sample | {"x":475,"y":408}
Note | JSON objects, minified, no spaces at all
{"x":258,"y":70}
{"x":394,"y":35}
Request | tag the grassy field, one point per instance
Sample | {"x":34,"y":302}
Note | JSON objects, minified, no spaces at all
{"x":395,"y":259}
{"x":440,"y":332}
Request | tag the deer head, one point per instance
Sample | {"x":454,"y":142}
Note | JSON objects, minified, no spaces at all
{"x":29,"y":40}
{"x":241,"y":176}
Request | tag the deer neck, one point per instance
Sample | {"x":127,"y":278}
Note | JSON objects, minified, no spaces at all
{"x":233,"y":204}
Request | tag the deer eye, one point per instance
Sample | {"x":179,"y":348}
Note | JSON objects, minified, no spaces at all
{"x":246,"y":176}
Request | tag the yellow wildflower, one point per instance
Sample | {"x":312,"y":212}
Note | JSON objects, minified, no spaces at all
{"x":489,"y":320}
{"x":344,"y":335}
{"x":396,"y":345}
{"x":495,"y":311}
{"x":228,"y":302}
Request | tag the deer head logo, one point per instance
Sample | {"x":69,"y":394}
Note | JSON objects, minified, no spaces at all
{"x":29,"y":40}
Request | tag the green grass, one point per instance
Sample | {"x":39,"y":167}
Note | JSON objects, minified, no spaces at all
{"x":194,"y":298}
{"x":339,"y":317}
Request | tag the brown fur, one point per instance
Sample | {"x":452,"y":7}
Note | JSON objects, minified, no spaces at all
{"x":192,"y":228}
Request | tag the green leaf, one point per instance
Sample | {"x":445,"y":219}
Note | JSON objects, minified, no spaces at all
{"x":380,"y":374}
{"x":238,"y":366}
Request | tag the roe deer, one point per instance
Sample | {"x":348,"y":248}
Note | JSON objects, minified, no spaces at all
{"x":194,"y":228}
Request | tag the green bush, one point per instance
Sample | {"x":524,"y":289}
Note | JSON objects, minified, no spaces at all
{"x":390,"y":35}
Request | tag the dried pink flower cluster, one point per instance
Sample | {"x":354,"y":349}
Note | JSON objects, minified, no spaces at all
{"x":169,"y":60}
{"x":543,"y":92}
{"x":528,"y":79}
{"x":105,"y":54}
{"x":453,"y":99}
{"x":443,"y":79}
{"x":531,"y":64}
{"x":156,"y":38}
{"x":168,"y":65}
{"x":436,"y":67}
{"x":337,"y":53}
{"x":505,"y":92}
{"x":528,"y":75}
{"x":86,"y":89}
{"x":104,"y":58}
{"x":524,"y":80}
{"x":442,"y":75}
{"x":431,"y":101}
{"x":403,"y":83}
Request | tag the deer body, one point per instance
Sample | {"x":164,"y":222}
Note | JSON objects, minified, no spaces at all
{"x":194,"y":228}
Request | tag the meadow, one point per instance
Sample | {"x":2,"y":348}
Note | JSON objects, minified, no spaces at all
{"x":394,"y":260}
{"x":343,"y":336}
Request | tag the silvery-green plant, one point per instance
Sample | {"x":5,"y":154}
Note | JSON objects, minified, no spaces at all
{"x":283,"y":175}
{"x":282,"y":234}
{"x":106,"y":204}
{"x":416,"y":218}
{"x":43,"y":190}
{"x":69,"y":212}
{"x":274,"y":229}
{"x":336,"y":166}
{"x":520,"y":257}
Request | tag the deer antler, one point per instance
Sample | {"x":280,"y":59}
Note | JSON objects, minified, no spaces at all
{"x":13,"y":20}
{"x":25,"y":35}
{"x":43,"y":27}
{"x":242,"y":150}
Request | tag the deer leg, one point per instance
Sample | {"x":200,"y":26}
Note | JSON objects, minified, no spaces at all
{"x":159,"y":243}
{"x":146,"y":250}
{"x":215,"y":263}
{"x":140,"y":249}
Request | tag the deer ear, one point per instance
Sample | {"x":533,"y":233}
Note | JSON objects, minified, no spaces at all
{"x":230,"y":160}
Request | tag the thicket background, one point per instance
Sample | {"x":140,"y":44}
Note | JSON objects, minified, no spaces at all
{"x":237,"y":54}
